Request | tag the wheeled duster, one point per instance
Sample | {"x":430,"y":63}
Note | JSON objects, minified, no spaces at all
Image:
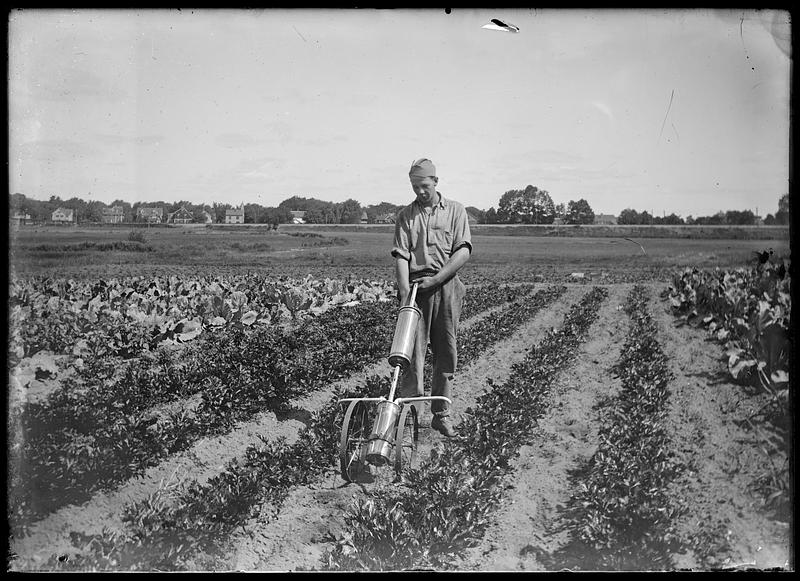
{"x":381,"y":430}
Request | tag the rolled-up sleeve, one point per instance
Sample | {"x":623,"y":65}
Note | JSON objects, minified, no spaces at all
{"x":401,"y":248}
{"x":461,"y":233}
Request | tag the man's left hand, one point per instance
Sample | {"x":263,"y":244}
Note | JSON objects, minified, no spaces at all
{"x":427,"y":283}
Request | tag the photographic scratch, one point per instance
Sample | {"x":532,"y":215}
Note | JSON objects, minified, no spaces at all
{"x":667,"y":114}
{"x":298,"y":33}
{"x":676,"y":131}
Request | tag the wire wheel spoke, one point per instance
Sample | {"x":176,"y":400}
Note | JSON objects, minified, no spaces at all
{"x":356,"y":427}
{"x":406,"y":439}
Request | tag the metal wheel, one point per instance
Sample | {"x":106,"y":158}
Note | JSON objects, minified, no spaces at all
{"x":356,"y":427}
{"x":405,"y":441}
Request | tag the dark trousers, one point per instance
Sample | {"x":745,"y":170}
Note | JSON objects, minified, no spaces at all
{"x":441,"y":309}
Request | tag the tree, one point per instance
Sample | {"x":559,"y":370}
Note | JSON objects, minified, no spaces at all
{"x":528,"y":206}
{"x":349,"y":212}
{"x":218,"y":212}
{"x":740,"y":218}
{"x":479,"y":214}
{"x":672,"y":220}
{"x":579,"y":212}
{"x":491,"y":216}
{"x":784,"y":210}
{"x":628,"y":216}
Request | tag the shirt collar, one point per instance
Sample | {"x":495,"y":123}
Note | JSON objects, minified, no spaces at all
{"x":441,"y":203}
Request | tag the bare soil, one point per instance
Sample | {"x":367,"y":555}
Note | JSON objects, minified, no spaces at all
{"x":720,"y":489}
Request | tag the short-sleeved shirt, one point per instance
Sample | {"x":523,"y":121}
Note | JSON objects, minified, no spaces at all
{"x":428,"y":237}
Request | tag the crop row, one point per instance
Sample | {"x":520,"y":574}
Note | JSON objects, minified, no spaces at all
{"x":133,"y":314}
{"x":446,"y":504}
{"x":83,"y":440}
{"x":746,"y":309}
{"x":93,"y":398}
{"x":622,"y":517}
{"x":167,"y":529}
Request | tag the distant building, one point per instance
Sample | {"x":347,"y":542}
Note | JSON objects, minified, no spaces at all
{"x":112,"y":215}
{"x":558,"y":221}
{"x":20,"y":219}
{"x":63,"y":215}
{"x":471,"y":218}
{"x":385,"y":218}
{"x":364,"y":217}
{"x":605,"y":219}
{"x":235,"y":215}
{"x":180,"y":216}
{"x":298,"y":216}
{"x":151,"y":215}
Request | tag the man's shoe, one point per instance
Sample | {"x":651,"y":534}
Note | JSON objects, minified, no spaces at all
{"x":443,"y":425}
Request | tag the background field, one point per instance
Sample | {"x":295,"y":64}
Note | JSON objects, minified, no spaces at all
{"x":317,"y":250}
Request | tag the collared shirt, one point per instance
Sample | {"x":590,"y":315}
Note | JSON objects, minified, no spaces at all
{"x":428,"y":237}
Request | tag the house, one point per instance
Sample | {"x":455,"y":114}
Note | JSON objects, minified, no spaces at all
{"x":151,"y":215}
{"x":63,"y":216}
{"x":207,"y":219}
{"x":605,"y":219}
{"x":19,"y":219}
{"x":180,"y":216}
{"x":385,"y":218}
{"x":112,"y":215}
{"x":298,"y":216}
{"x":235,"y":215}
{"x":472,"y":219}
{"x":364,"y":217}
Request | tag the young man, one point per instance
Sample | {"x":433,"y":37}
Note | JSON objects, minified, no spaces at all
{"x":431,"y":243}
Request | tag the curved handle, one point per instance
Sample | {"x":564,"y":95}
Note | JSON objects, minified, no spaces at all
{"x":413,"y":295}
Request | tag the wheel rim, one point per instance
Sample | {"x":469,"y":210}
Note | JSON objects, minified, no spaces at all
{"x":406,"y":439}
{"x":355,"y":433}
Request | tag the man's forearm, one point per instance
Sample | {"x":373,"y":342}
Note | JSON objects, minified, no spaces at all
{"x":401,"y":274}
{"x":452,"y":266}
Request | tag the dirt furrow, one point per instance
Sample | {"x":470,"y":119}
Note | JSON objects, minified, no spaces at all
{"x":312,"y":516}
{"x":204,"y":460}
{"x":526,"y":524}
{"x":725,"y":523}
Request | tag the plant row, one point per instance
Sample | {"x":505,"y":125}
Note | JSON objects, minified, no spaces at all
{"x":171,"y":526}
{"x":129,"y":315}
{"x":748,"y":310}
{"x":622,"y":516}
{"x":447,"y":502}
{"x":82,"y":440}
{"x":93,"y":398}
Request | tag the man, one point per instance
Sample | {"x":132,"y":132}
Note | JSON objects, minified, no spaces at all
{"x":431,"y":243}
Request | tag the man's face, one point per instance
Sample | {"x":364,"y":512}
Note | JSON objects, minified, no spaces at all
{"x":425,"y":189}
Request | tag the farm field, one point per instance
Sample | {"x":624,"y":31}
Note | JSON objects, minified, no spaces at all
{"x":655,"y":390}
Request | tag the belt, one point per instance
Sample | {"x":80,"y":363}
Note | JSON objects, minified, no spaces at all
{"x":417,"y":275}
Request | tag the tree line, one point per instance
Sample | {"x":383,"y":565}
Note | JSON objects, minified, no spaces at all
{"x":529,"y":205}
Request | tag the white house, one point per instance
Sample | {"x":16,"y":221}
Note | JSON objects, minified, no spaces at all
{"x":298,"y":216}
{"x":63,"y":215}
{"x":235,"y":215}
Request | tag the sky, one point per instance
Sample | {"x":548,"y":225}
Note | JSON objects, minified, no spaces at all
{"x":680,"y":111}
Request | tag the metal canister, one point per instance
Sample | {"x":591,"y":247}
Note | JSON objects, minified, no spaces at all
{"x":405,"y":336}
{"x":379,"y":447}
